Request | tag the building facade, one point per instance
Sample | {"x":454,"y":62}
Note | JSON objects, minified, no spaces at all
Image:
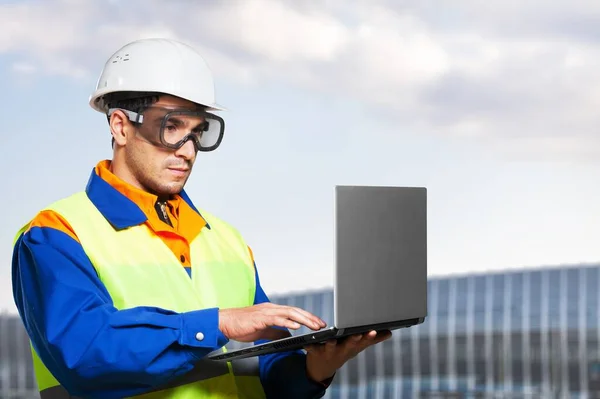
{"x":16,"y":370}
{"x":518,"y":334}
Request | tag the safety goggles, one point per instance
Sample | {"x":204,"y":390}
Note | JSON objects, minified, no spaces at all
{"x":172,"y":128}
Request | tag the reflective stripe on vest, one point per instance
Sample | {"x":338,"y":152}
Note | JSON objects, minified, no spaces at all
{"x":222,"y":276}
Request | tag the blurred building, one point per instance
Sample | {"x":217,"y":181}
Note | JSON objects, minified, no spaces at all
{"x":16,"y":370}
{"x":517,"y":334}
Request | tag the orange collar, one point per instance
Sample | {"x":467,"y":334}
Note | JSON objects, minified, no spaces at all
{"x":141,"y":198}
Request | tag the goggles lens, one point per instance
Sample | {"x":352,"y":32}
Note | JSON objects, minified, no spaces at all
{"x":171,"y":128}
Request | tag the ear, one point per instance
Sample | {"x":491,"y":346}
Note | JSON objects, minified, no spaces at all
{"x":120,"y":127}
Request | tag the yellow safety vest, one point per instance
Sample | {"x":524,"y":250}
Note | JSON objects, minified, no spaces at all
{"x":138,"y":269}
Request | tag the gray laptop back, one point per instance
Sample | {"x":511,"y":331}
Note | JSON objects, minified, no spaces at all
{"x":380,"y":254}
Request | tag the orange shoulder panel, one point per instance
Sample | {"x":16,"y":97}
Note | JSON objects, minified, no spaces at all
{"x":251,"y":254}
{"x":52,"y":220}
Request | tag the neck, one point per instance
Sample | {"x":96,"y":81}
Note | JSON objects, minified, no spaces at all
{"x":118,"y":167}
{"x":122,"y":172}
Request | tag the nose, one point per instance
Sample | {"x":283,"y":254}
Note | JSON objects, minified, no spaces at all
{"x":187,"y":151}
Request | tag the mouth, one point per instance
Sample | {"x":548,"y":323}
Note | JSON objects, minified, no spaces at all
{"x":179,"y":171}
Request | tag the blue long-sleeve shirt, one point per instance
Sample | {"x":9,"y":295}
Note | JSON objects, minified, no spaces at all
{"x":97,"y":351}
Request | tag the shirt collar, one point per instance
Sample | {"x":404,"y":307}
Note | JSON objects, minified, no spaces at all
{"x":122,"y":204}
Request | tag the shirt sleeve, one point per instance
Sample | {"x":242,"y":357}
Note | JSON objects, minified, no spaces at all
{"x":283,"y":374}
{"x":91,"y":348}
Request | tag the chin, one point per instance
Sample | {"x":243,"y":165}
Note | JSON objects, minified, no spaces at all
{"x":167,"y":189}
{"x":172,"y":189}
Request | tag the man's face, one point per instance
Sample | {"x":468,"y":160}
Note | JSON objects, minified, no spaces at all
{"x":161,"y":171}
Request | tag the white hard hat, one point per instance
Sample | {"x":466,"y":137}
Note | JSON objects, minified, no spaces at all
{"x":157,"y":66}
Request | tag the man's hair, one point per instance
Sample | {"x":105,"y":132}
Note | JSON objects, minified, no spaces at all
{"x":131,"y":101}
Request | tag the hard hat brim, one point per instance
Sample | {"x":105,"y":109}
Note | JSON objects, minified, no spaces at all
{"x":95,"y":101}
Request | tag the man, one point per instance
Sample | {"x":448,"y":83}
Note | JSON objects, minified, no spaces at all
{"x":125,"y":287}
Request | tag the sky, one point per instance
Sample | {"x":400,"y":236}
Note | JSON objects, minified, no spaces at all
{"x":493,"y":106}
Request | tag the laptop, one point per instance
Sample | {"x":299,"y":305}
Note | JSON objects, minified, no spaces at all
{"x":380,"y":280}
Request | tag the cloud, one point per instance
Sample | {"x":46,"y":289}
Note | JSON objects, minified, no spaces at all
{"x":24,"y":68}
{"x":50,"y":34}
{"x":277,"y":32}
{"x":521,"y":72}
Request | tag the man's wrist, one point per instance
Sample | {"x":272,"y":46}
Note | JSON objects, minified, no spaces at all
{"x":323,"y":383}
{"x":319,"y":377}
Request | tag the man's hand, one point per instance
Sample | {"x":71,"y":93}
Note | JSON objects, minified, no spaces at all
{"x":323,"y":360}
{"x":252,"y":323}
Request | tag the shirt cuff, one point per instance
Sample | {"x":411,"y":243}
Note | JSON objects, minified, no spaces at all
{"x":200,"y":329}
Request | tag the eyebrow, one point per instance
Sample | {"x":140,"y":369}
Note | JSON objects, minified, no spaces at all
{"x":180,"y":122}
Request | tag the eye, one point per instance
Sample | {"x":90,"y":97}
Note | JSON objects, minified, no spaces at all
{"x":201,"y":128}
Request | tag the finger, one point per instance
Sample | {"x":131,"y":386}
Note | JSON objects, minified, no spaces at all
{"x":305,"y":313}
{"x":305,"y":318}
{"x":296,"y":314}
{"x":353,"y":345}
{"x":376,"y":337}
{"x":383,"y":336}
{"x":369,"y":337}
{"x":367,"y":340}
{"x":284,"y":322}
{"x":319,"y":323}
{"x":373,"y":338}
